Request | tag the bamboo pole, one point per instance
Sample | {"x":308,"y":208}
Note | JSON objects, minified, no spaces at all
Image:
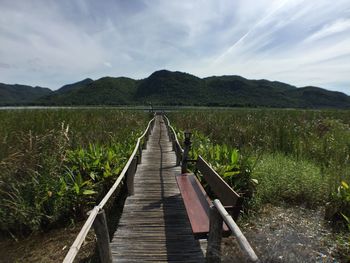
{"x":74,"y":249}
{"x":122,"y":174}
{"x":242,"y":241}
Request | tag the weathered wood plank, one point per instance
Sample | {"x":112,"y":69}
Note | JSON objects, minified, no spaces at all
{"x":196,"y":204}
{"x":225,"y":193}
{"x":154,"y":226}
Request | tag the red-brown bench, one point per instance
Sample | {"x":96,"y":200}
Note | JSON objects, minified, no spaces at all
{"x":197,"y":201}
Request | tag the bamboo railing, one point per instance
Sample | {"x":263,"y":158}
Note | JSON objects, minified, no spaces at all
{"x":97,"y":217}
{"x":173,"y":138}
{"x":218,"y":214}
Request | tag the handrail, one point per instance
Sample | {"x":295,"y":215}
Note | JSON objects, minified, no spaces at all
{"x":173,"y":131}
{"x":242,"y":241}
{"x":74,"y":249}
{"x":217,"y":205}
{"x":126,"y":167}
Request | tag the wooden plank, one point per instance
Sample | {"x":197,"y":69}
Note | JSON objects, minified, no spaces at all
{"x":131,"y":175}
{"x":125,"y":169}
{"x":224,"y":192}
{"x":196,"y":204}
{"x":154,"y":226}
{"x":74,"y":249}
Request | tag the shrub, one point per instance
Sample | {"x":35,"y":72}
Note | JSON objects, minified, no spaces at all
{"x":56,"y":164}
{"x":30,"y":182}
{"x":227,"y":161}
{"x":287,"y":179}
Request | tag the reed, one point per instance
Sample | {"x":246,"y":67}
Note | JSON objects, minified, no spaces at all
{"x":55,"y":164}
{"x":304,"y":151}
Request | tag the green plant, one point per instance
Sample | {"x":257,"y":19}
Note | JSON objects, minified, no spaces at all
{"x":286,"y":179}
{"x":316,"y":140}
{"x":56,"y":164}
{"x":227,"y":162}
{"x":30,"y":181}
{"x":338,"y":209}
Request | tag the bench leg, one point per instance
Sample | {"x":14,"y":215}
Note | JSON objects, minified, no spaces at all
{"x":215,"y":234}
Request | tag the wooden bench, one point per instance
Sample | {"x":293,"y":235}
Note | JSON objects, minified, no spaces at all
{"x":197,"y":201}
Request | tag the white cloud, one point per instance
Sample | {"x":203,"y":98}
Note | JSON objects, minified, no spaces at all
{"x":107,"y":64}
{"x":52,"y":43}
{"x":338,"y":26}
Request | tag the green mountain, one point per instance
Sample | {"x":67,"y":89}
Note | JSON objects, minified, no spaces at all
{"x":238,"y":91}
{"x":314,"y":97}
{"x":171,"y":88}
{"x":16,"y":94}
{"x":177,"y":88}
{"x":104,"y":91}
{"x":75,"y":86}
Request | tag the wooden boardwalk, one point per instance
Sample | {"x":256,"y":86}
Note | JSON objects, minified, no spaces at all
{"x":154,"y":226}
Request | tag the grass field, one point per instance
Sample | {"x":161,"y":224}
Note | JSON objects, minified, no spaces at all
{"x":55,"y":164}
{"x":277,"y":156}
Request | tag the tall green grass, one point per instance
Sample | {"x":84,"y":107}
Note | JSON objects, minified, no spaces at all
{"x":298,"y":156}
{"x":56,"y":164}
{"x":234,"y":168}
{"x":286,"y":179}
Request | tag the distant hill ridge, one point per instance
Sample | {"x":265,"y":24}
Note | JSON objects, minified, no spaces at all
{"x":16,"y":94}
{"x":165,"y":87}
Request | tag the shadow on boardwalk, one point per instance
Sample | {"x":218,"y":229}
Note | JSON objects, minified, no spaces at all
{"x":154,"y":226}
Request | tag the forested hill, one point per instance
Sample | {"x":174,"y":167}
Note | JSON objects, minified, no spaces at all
{"x":176,"y":88}
{"x":11,"y":95}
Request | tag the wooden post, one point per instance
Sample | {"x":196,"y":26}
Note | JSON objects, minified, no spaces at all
{"x":241,"y":239}
{"x":178,"y":154}
{"x":148,"y":132}
{"x":139,"y":157}
{"x":215,"y":234}
{"x":152,"y":125}
{"x":187,"y":148}
{"x":131,"y":175}
{"x":171,"y":135}
{"x":184,"y":159}
{"x":150,"y":128}
{"x":101,"y":231}
{"x":144,"y":145}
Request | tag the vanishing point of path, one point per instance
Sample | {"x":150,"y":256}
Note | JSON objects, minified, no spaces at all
{"x":154,"y":226}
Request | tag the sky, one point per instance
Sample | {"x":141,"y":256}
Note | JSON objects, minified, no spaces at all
{"x":51,"y":43}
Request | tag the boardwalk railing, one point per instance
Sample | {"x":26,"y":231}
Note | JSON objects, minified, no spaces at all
{"x":97,"y":217}
{"x":218,"y":214}
{"x":173,"y":138}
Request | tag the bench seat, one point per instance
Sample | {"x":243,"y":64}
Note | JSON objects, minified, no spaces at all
{"x":197,"y":204}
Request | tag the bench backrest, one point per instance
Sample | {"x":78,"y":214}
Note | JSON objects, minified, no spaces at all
{"x":221,"y":189}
